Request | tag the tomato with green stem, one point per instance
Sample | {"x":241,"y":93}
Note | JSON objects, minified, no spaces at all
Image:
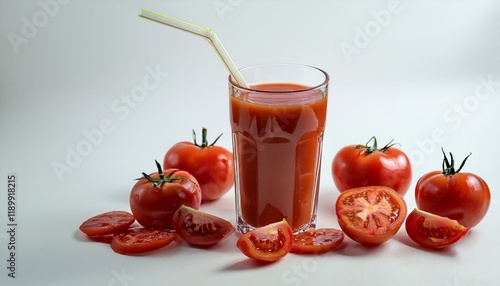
{"x":368,"y":165}
{"x":461,"y":196}
{"x":210,"y":164}
{"x":156,"y":197}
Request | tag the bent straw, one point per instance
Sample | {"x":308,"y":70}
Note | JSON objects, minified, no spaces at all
{"x":200,"y":31}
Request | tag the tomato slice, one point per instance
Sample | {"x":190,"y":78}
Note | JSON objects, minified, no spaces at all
{"x":137,"y":240}
{"x":370,"y":215}
{"x":200,"y":228}
{"x":107,"y":223}
{"x":317,"y":240}
{"x":267,"y":243}
{"x":433,"y":231}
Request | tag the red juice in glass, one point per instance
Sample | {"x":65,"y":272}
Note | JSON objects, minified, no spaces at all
{"x":277,"y":140}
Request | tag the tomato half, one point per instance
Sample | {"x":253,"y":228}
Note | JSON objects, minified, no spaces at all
{"x":137,"y":240}
{"x":433,"y":231}
{"x":361,"y":165}
{"x":317,"y":240}
{"x":107,"y":223}
{"x":200,"y":228}
{"x":370,"y":215}
{"x":267,"y":243}
{"x":155,"y":198}
{"x":464,"y":197}
{"x":210,"y":164}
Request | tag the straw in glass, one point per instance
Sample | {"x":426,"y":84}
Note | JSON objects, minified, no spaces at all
{"x":200,"y":31}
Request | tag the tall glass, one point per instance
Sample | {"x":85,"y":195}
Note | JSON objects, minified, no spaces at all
{"x":277,"y":132}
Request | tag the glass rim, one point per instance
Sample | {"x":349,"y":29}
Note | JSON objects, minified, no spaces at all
{"x":325,"y":82}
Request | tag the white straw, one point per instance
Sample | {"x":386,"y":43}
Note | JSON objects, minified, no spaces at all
{"x":201,"y":31}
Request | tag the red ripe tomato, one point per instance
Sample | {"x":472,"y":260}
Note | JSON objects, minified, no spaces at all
{"x":361,"y":165}
{"x":317,"y":240}
{"x":137,"y":240}
{"x":267,"y":243}
{"x":433,"y":231}
{"x":200,"y":228}
{"x":464,"y":197}
{"x":211,"y":165}
{"x":155,"y":198}
{"x":107,"y":223}
{"x":370,"y":215}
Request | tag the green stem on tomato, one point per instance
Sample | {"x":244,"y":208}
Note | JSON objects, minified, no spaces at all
{"x":204,"y":141}
{"x":448,"y":166}
{"x":158,"y":182}
{"x":374,"y":147}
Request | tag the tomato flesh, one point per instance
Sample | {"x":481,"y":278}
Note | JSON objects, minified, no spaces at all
{"x":200,"y":228}
{"x":317,"y":240}
{"x":267,"y":243}
{"x":370,"y":215}
{"x":107,"y":223}
{"x":433,"y":231}
{"x":137,"y":240}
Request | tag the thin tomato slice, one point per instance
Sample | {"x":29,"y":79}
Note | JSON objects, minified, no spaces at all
{"x":433,"y":231}
{"x":370,"y":215}
{"x":267,"y":243}
{"x":137,"y":240}
{"x":317,"y":240}
{"x":107,"y":223}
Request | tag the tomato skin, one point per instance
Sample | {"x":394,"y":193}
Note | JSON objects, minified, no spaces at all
{"x":211,"y":165}
{"x":154,"y":207}
{"x":464,"y":197}
{"x":433,"y":231}
{"x":316,"y":241}
{"x":200,"y":228}
{"x":353,"y":166}
{"x":370,"y":215}
{"x":267,"y":243}
{"x":107,"y":223}
{"x":138,"y":240}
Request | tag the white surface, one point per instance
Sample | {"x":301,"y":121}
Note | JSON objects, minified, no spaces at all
{"x":415,"y":80}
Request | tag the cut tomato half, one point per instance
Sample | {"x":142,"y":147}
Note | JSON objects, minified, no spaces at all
{"x":317,"y":240}
{"x":267,"y":243}
{"x":137,"y":240}
{"x":433,"y":231}
{"x":107,"y":223}
{"x":370,"y":215}
{"x":200,"y":228}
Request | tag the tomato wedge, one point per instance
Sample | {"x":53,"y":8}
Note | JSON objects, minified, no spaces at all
{"x":200,"y":228}
{"x":137,"y":240}
{"x":433,"y":231}
{"x":267,"y":243}
{"x":317,"y":240}
{"x":370,"y":215}
{"x":107,"y":223}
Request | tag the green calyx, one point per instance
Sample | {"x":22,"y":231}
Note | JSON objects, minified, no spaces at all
{"x":449,"y":165}
{"x":204,"y":141}
{"x":374,"y":147}
{"x":158,"y":182}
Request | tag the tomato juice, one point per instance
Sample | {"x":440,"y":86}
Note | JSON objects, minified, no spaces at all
{"x":277,"y":140}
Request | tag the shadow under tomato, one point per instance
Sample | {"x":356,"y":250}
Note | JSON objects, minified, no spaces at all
{"x":247,"y":264}
{"x":352,"y":248}
{"x":406,"y":240}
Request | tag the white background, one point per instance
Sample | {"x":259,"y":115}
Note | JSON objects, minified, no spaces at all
{"x":414,"y":72}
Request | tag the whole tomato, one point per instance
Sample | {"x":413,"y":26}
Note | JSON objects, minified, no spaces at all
{"x":357,"y":166}
{"x":210,"y":164}
{"x":464,"y":197}
{"x":156,"y":197}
